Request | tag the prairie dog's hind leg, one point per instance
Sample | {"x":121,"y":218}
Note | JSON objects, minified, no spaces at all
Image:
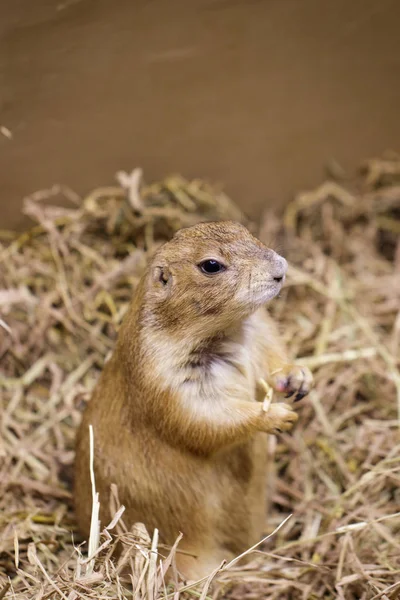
{"x":196,"y":561}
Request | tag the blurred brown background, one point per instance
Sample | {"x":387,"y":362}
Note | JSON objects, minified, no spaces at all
{"x":259,"y":94}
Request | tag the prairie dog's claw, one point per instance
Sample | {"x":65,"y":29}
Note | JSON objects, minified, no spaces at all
{"x":294,"y":380}
{"x":279,"y":418}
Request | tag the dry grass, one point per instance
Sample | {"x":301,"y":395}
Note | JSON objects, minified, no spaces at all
{"x":64,"y":288}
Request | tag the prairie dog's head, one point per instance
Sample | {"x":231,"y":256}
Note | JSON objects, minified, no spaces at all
{"x":209,"y":276}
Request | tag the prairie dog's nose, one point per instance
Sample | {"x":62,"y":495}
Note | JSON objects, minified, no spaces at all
{"x":278,"y":267}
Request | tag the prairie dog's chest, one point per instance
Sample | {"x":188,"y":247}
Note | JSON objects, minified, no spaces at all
{"x":225,"y":367}
{"x":229,"y":369}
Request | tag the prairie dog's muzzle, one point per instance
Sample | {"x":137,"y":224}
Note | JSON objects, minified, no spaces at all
{"x":279,"y":267}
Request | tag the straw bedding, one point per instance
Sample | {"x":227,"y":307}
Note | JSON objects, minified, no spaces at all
{"x":64,"y":288}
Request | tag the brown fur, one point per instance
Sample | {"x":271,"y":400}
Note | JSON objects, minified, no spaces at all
{"x":175,"y":421}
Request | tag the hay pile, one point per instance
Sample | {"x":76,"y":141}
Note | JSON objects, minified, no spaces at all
{"x":64,"y":288}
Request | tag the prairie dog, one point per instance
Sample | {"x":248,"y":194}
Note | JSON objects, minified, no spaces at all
{"x":176,"y":424}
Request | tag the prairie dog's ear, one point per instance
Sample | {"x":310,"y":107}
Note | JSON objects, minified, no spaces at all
{"x":161,"y":275}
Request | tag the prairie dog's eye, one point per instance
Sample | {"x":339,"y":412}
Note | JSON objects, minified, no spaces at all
{"x":211,"y":267}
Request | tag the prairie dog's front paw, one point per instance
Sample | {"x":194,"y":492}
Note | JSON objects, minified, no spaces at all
{"x":292,"y":379}
{"x":278,"y":418}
